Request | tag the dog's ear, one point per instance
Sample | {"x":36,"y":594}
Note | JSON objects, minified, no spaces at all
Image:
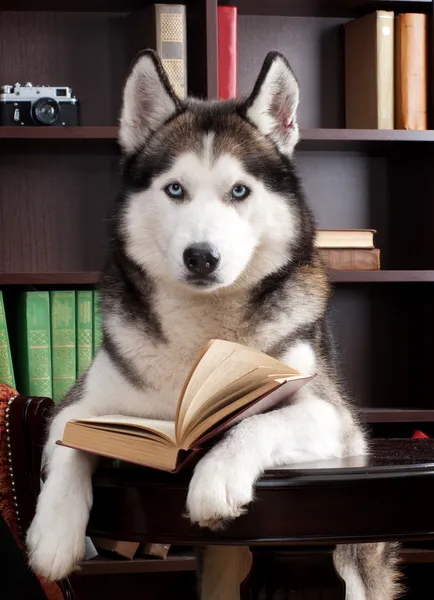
{"x":148,"y":101}
{"x":272,"y":106}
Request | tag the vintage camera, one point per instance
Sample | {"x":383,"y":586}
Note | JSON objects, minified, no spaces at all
{"x":38,"y":105}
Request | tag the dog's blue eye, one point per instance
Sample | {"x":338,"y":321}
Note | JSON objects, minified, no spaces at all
{"x":174,"y":190}
{"x":240,"y":192}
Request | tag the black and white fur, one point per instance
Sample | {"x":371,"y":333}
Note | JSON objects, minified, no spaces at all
{"x":268,"y":290}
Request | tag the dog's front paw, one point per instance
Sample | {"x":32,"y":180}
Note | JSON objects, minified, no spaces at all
{"x":56,"y":540}
{"x":219,"y":491}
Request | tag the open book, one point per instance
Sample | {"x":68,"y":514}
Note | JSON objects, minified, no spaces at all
{"x":228,"y":383}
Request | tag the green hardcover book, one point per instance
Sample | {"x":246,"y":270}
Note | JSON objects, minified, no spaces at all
{"x":97,"y":330}
{"x":35,"y":373}
{"x":6,"y":367}
{"x":84,"y":314}
{"x":63,"y":334}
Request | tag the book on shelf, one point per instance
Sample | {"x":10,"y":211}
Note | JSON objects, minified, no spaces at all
{"x":96,"y":324}
{"x":63,"y":342}
{"x":34,"y":364}
{"x":162,"y":27}
{"x":84,"y":343}
{"x":411,"y":71}
{"x":369,"y":71}
{"x":119,"y":547}
{"x":345,"y":238}
{"x":6,"y":366}
{"x":227,"y":383}
{"x":351,"y":259}
{"x":227,"y":19}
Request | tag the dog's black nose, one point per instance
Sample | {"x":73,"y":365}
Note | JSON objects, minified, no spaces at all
{"x":201,"y":259}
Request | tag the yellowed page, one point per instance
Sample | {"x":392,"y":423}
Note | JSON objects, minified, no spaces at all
{"x":217,"y":353}
{"x":213,"y":419}
{"x":209,"y":408}
{"x":206,"y":382}
{"x":225,"y":396}
{"x":131,"y":425}
{"x":116,"y":445}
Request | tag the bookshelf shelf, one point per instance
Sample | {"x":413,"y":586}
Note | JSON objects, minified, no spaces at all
{"x":311,"y":139}
{"x":338,"y":277}
{"x":397,"y":415}
{"x":73,"y":278}
{"x":382,"y":276}
{"x":91,"y":277}
{"x":58,"y":133}
{"x":113,"y":566}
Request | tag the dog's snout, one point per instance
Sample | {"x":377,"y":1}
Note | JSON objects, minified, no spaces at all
{"x":201,"y":259}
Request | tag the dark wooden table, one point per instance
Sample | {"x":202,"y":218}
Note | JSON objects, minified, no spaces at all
{"x":300,"y":512}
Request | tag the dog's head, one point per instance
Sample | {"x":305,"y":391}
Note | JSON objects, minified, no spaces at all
{"x":211,"y":198}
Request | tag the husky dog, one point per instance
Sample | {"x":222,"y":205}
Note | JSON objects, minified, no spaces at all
{"x":212,"y":238}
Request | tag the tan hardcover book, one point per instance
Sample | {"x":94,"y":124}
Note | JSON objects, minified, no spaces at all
{"x":227,"y":383}
{"x":411,"y":64}
{"x":162,"y":27}
{"x":157,"y":550}
{"x":349,"y":259}
{"x":345,"y":238}
{"x":125,"y":549}
{"x":369,"y":71}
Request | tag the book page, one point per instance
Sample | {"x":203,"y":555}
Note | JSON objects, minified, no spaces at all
{"x":217,"y":352}
{"x":131,"y":425}
{"x":234,"y":361}
{"x":251,"y":381}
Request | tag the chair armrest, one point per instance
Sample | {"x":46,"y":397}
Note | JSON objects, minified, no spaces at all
{"x":26,"y":420}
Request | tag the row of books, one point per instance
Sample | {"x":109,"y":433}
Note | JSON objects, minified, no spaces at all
{"x":349,"y":249}
{"x":386,"y":62}
{"x":163,"y":27}
{"x":48,"y":340}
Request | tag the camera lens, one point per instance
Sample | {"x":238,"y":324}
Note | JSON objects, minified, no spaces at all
{"x":45,"y":111}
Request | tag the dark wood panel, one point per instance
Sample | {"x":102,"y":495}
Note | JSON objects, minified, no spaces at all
{"x":136,"y":586}
{"x":53,"y":209}
{"x":314,"y":47}
{"x":328,"y":8}
{"x":80,"y":5}
{"x":372,"y":328}
{"x":82,"y":50}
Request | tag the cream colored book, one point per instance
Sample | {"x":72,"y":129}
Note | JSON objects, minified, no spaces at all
{"x":369,"y":71}
{"x":228,"y":383}
{"x":345,"y":238}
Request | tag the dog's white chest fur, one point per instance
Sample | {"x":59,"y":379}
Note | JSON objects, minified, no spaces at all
{"x":188,"y":325}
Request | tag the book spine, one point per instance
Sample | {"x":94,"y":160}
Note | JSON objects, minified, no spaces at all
{"x":385,"y":69}
{"x":351,"y":260}
{"x":63,"y":336}
{"x":97,"y":325}
{"x":35,"y":347}
{"x":163,"y":28}
{"x":6,"y":366}
{"x":84,"y":340}
{"x":227,"y":51}
{"x":411,"y":58}
{"x":171,"y":44}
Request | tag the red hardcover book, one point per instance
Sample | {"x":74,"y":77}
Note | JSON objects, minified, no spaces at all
{"x":227,"y":52}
